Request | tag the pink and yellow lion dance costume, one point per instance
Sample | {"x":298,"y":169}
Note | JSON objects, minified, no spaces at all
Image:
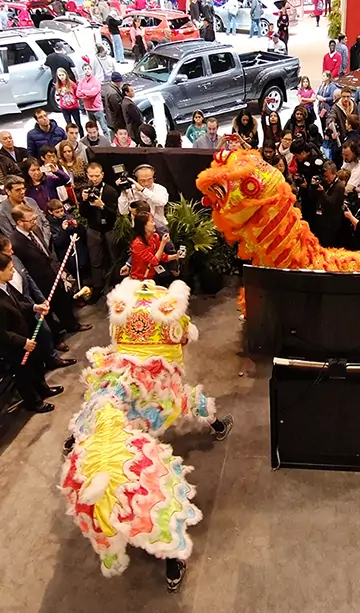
{"x":251,"y":203}
{"x":123,"y":486}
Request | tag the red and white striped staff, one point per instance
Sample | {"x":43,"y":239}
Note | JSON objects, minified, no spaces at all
{"x":73,"y":239}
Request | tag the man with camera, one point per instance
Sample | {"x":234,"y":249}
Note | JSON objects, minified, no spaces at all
{"x":309,"y":164}
{"x":329,"y":197}
{"x":98,"y":205}
{"x":351,"y":158}
{"x":145,"y":188}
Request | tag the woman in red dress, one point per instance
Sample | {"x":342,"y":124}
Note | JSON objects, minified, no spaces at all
{"x":147,"y":250}
{"x":318,"y":10}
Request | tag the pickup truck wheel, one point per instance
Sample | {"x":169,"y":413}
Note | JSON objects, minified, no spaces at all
{"x":53,"y":100}
{"x":107,"y":45}
{"x":275,"y":94}
{"x":219,"y":26}
{"x":149,"y":118}
{"x":264,"y":27}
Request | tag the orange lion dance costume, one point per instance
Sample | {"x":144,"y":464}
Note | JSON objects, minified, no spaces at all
{"x":254,"y":205}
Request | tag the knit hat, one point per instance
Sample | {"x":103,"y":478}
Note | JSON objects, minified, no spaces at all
{"x":116,"y":77}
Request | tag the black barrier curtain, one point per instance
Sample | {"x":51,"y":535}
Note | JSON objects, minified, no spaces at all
{"x":176,"y":169}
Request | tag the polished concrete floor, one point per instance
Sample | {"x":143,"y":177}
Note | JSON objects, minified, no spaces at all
{"x":284,"y":542}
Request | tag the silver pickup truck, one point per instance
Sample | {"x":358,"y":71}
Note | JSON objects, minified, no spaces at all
{"x":195,"y":74}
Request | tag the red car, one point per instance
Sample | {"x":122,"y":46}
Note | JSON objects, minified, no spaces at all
{"x":158,"y":25}
{"x":28,"y":14}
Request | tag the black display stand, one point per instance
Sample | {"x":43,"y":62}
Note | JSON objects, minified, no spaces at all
{"x":315,"y":418}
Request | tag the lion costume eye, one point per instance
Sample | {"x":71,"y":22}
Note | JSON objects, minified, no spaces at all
{"x":219,"y":190}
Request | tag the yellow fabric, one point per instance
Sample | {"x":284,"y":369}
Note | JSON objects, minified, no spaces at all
{"x":171,"y":353}
{"x":106,"y":452}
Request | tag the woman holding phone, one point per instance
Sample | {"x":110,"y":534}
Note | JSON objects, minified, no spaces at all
{"x":147,"y":250}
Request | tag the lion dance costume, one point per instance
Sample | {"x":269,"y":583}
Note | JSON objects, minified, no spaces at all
{"x":123,"y":486}
{"x":254,"y":205}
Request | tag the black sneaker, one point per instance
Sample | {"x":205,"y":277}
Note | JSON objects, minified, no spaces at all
{"x":68,"y":445}
{"x":228,"y":422}
{"x":173,"y":585}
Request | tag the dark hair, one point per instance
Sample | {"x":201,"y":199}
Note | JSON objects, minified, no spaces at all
{"x":173,"y":139}
{"x":341,"y":37}
{"x":150,"y":132}
{"x":302,"y":81}
{"x":125,"y":88}
{"x":4,"y":241}
{"x":140,"y":205}
{"x":25,"y":170}
{"x":329,"y":165}
{"x":313,"y":130}
{"x":37,"y":111}
{"x":354,"y":122}
{"x":4,"y":261}
{"x":140,"y":222}
{"x":302,"y":109}
{"x":212,"y":120}
{"x":332,"y":41}
{"x":54,"y":204}
{"x":346,"y":90}
{"x":281,"y":158}
{"x":269,"y":144}
{"x":91,"y":124}
{"x":240,"y":127}
{"x":299,"y":146}
{"x":47,"y":149}
{"x":71,"y":126}
{"x":354,"y":147}
{"x":12,"y":180}
{"x":197,"y":112}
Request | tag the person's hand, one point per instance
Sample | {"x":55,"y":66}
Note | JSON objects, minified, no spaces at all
{"x":98,"y":203}
{"x":165,"y":239}
{"x":136,"y":184}
{"x":85,"y":194}
{"x":30,"y":345}
{"x":124,"y":270}
{"x":320,"y":188}
{"x":320,"y":98}
{"x":348,"y":214}
{"x":74,"y":223}
{"x":65,"y":224}
{"x":42,"y":308}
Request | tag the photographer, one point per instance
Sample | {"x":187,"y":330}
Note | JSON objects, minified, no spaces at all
{"x":351,"y":157}
{"x":355,"y":242}
{"x":171,"y":269}
{"x":329,"y":194}
{"x":98,"y":205}
{"x":144,"y":188}
{"x":309,"y":164}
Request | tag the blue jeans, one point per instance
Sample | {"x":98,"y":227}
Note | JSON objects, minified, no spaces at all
{"x":99,"y":116}
{"x":118,"y":47}
{"x":231,"y":24}
{"x":255,"y":22}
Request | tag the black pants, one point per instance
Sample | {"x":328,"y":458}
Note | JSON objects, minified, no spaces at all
{"x":30,"y":379}
{"x":75,"y":115}
{"x":101,"y":253}
{"x":62,"y":306}
{"x":317,"y":17}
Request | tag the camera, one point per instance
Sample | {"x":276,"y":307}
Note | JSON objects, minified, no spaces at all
{"x":122,"y":176}
{"x":351,"y":203}
{"x":93,"y":193}
{"x":72,"y":222}
{"x":316,"y":180}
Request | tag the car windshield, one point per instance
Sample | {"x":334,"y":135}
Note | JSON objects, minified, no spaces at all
{"x":155,"y":67}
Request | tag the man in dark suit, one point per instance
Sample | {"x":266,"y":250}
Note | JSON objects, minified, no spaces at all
{"x":43,"y":266}
{"x":27,"y":287}
{"x":132,"y":115}
{"x":8,"y":149}
{"x":17,"y":322}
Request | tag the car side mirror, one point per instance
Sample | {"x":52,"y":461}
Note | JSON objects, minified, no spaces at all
{"x":181,"y":78}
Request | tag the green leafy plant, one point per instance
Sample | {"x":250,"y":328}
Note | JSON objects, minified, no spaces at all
{"x":335,"y":19}
{"x":191,"y":225}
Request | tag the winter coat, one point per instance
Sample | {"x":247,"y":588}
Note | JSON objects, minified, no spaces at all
{"x":103,"y":67}
{"x":47,"y":189}
{"x":355,"y":57}
{"x":327,"y":92}
{"x":112,"y":102}
{"x":89,"y":89}
{"x":113,"y":25}
{"x":37,"y":138}
{"x":256,"y":9}
{"x":338,"y":116}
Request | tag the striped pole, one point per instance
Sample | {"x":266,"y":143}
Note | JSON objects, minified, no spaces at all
{"x":57,"y":279}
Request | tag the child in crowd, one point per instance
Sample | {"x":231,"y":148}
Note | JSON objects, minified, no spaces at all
{"x":271,"y":31}
{"x":63,"y":226}
{"x":327,"y":145}
{"x":122,"y":138}
{"x":197,"y":127}
{"x":315,"y":137}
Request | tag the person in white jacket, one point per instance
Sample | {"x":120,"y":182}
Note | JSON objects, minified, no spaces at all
{"x":103,"y":65}
{"x":232,"y":7}
{"x":145,"y":189}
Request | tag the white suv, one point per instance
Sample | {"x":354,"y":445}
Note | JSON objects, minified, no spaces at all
{"x":25,"y":82}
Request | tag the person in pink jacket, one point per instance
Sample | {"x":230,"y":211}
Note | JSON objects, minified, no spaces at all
{"x":89,"y":90}
{"x":332,"y":61}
